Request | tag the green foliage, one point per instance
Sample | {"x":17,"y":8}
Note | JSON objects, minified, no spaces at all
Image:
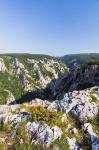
{"x":94,"y":99}
{"x":50,"y":117}
{"x":90,"y":63}
{"x":3,"y":146}
{"x":62,"y":143}
{"x":6,"y":127}
{"x":3,"y":96}
{"x":21,"y":134}
{"x":48,"y":73}
{"x":26,"y":145}
{"x":1,"y":125}
{"x":10,"y":83}
{"x":8,"y":62}
{"x":95,"y":123}
{"x":81,"y":58}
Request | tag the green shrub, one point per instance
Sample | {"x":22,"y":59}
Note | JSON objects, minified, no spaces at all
{"x":1,"y":125}
{"x":50,"y":117}
{"x":95,"y":123}
{"x":94,"y":99}
{"x":62,"y":144}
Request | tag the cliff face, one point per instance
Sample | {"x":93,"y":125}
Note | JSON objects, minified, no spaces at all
{"x":78,"y":79}
{"x":84,"y":77}
{"x":24,"y":73}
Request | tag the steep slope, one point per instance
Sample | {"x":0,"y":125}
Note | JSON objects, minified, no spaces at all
{"x":69,"y":121}
{"x":83,"y":77}
{"x":21,"y":73}
{"x":69,"y":124}
{"x":73,"y":59}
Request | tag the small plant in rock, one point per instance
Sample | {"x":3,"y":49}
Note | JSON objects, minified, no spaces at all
{"x":61,"y":144}
{"x":1,"y":124}
{"x":94,"y":99}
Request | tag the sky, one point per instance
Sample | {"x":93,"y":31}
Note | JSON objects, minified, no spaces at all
{"x":53,"y":27}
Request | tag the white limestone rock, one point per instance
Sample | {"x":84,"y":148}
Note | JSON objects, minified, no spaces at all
{"x":73,"y":144}
{"x":93,"y":137}
{"x":53,"y":106}
{"x":37,"y":71}
{"x":15,"y":118}
{"x":64,"y":118}
{"x":43,"y":103}
{"x":10,"y":97}
{"x":71,"y":130}
{"x":20,"y":71}
{"x":68,"y":127}
{"x":2,"y":139}
{"x":4,"y":109}
{"x":39,"y":102}
{"x":2,"y":65}
{"x":50,"y":66}
{"x":13,"y":114}
{"x":74,"y":131}
{"x":78,"y":104}
{"x":42,"y":134}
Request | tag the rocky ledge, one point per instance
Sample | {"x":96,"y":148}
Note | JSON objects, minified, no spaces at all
{"x":70,"y":123}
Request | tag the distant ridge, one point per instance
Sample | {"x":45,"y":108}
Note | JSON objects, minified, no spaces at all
{"x":79,"y":58}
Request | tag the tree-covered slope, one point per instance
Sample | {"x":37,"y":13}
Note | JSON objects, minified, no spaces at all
{"x":67,"y":120}
{"x":79,"y":58}
{"x":21,"y":73}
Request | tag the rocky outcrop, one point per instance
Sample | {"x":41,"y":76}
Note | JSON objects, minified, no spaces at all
{"x":15,"y":118}
{"x":10,"y":97}
{"x":42,"y":134}
{"x":2,"y":65}
{"x":46,"y":65}
{"x":4,"y":109}
{"x":26,"y":73}
{"x":77,"y":103}
{"x":79,"y":79}
{"x":92,"y":136}
{"x":73,"y":144}
{"x":13,"y":114}
{"x":20,"y":71}
{"x":74,"y":107}
{"x":65,"y":108}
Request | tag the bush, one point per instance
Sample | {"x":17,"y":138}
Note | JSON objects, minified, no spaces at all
{"x":95,"y":123}
{"x":47,"y":116}
{"x":94,"y":99}
{"x":1,"y":125}
{"x":61,"y":144}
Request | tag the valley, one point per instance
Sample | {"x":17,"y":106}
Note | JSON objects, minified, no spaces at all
{"x":48,"y":105}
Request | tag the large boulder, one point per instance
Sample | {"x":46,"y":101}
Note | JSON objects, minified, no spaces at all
{"x":78,"y":104}
{"x":13,"y":114}
{"x":42,"y":134}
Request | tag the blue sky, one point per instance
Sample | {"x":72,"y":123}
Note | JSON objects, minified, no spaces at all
{"x":55,"y":27}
